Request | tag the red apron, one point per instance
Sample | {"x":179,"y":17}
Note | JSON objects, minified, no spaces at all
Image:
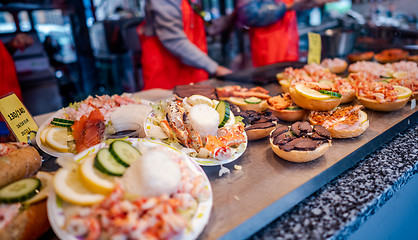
{"x":278,"y":42}
{"x":161,"y":69}
{"x":8,"y":77}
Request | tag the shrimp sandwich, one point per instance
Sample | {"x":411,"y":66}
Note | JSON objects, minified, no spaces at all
{"x":346,"y":122}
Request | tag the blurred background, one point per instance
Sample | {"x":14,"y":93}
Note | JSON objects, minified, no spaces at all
{"x":87,"y":47}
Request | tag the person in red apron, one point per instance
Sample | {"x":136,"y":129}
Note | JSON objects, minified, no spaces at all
{"x":273,"y":28}
{"x":174,"y":49}
{"x":8,"y":77}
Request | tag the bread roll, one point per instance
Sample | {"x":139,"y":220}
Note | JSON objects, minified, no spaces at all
{"x":18,"y":164}
{"x":29,"y":224}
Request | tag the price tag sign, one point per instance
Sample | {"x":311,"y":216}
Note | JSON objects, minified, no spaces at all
{"x":17,"y":117}
{"x":314,"y":54}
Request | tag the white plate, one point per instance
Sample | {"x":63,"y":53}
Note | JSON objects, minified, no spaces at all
{"x":44,"y":125}
{"x":197,"y":224}
{"x":202,"y":161}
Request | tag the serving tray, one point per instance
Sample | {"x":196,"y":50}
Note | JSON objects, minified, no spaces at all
{"x":267,"y":186}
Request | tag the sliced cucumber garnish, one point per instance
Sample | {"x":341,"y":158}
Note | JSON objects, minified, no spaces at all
{"x":60,"y":124}
{"x":106,"y":163}
{"x":224,"y":111}
{"x":330,"y":93}
{"x":293,"y":108}
{"x":253,"y":100}
{"x":62,"y":120}
{"x":20,"y":190}
{"x":124,"y":152}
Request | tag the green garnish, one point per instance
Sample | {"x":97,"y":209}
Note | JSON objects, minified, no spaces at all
{"x":293,"y":108}
{"x":330,"y":93}
{"x":239,"y":119}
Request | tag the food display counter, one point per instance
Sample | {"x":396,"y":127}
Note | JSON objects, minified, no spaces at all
{"x":262,"y":187}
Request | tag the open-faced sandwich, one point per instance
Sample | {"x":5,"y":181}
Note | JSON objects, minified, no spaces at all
{"x":182,"y":91}
{"x":246,"y":99}
{"x":285,"y":109}
{"x":23,"y":192}
{"x":336,"y":65}
{"x":342,"y":122}
{"x":315,"y":96}
{"x":258,"y":125}
{"x":301,"y":142}
{"x":379,"y":95}
{"x":317,"y":74}
{"x":362,"y":56}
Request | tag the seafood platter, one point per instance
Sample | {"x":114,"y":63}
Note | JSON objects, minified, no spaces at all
{"x":218,"y":160}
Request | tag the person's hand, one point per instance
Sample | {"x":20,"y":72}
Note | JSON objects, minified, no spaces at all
{"x":21,"y":41}
{"x":221,"y":71}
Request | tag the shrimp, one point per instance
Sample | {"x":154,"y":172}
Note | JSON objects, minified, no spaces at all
{"x":122,"y":100}
{"x":195,"y":141}
{"x":280,"y":102}
{"x":231,"y":135}
{"x":218,"y":148}
{"x":167,"y":129}
{"x":174,"y":116}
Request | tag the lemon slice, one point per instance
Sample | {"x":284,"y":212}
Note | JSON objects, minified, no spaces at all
{"x":280,"y":76}
{"x":284,"y":83}
{"x":46,"y":182}
{"x":44,"y":132}
{"x":57,"y":138}
{"x":363,"y":117}
{"x":68,"y":185}
{"x":403,"y":92}
{"x":93,"y":179}
{"x":237,"y":101}
{"x":199,"y":99}
{"x":400,"y":74}
{"x":310,"y":93}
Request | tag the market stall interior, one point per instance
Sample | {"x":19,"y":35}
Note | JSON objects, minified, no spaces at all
{"x":243,"y":155}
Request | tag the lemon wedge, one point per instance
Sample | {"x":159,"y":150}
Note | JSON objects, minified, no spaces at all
{"x":46,"y":182}
{"x":310,"y":93}
{"x":363,"y":117}
{"x":284,"y":83}
{"x":279,"y":76}
{"x":57,"y":138}
{"x":403,"y":92}
{"x":237,"y":101}
{"x":95,"y":180}
{"x":44,"y":132}
{"x":199,"y":99}
{"x":68,"y":185}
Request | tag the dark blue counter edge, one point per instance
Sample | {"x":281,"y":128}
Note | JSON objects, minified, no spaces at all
{"x":276,"y":209}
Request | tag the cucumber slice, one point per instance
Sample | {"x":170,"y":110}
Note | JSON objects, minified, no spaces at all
{"x":330,"y":93}
{"x":20,"y":190}
{"x":124,"y":152}
{"x":293,"y":108}
{"x":107,"y":164}
{"x":253,"y":100}
{"x":59,"y":124}
{"x":62,"y":120}
{"x":224,"y":111}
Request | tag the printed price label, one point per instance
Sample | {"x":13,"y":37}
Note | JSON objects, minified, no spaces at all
{"x":17,"y":117}
{"x":314,"y":54}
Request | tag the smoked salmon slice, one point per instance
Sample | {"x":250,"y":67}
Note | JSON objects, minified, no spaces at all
{"x":88,"y":131}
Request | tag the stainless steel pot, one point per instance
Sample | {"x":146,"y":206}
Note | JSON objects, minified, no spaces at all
{"x":338,"y":43}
